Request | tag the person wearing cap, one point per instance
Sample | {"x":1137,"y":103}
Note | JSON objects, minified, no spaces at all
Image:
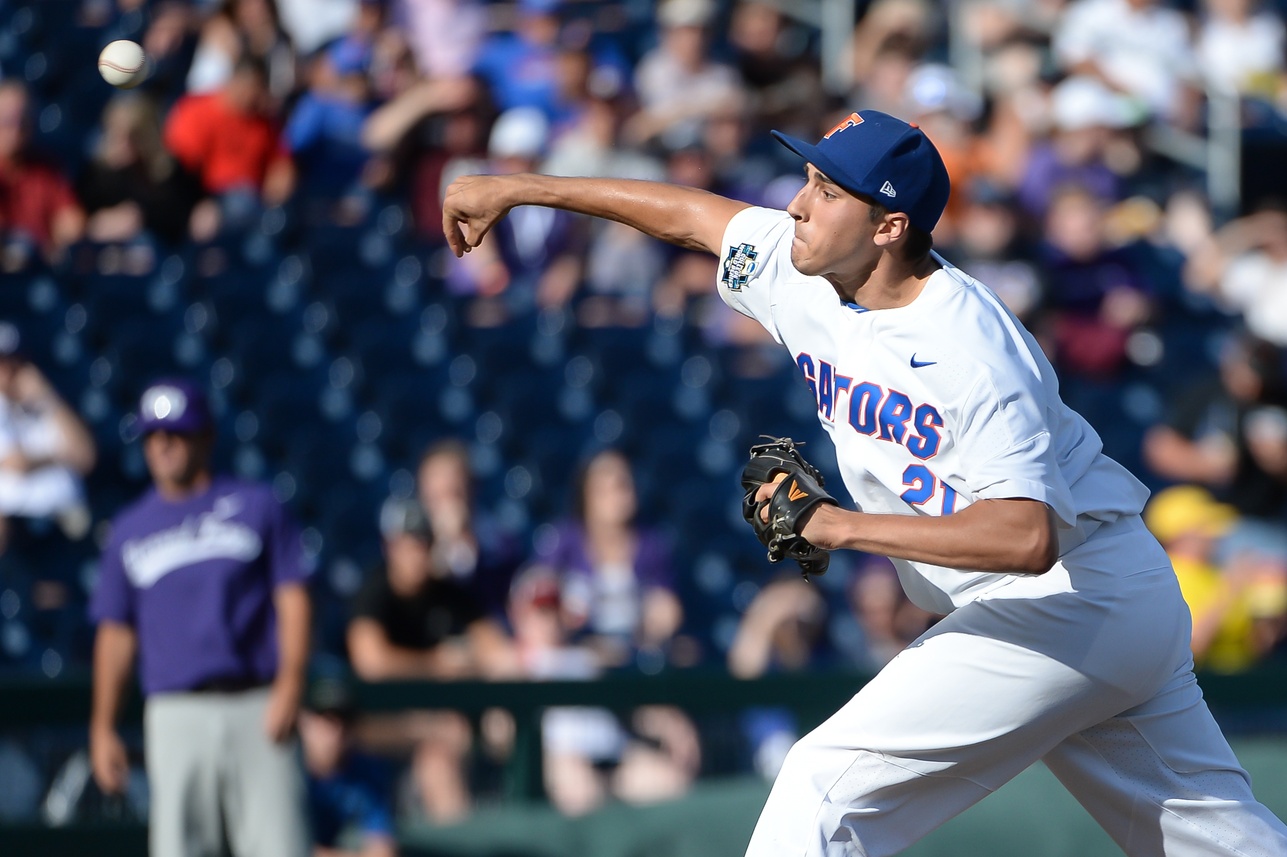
{"x":1238,"y":610}
{"x":324,"y":131}
{"x":412,"y":620}
{"x":678,"y":82}
{"x":537,"y":254}
{"x":204,"y":579}
{"x":1065,"y":639}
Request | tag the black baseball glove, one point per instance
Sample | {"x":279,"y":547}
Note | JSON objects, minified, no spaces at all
{"x":795,"y":495}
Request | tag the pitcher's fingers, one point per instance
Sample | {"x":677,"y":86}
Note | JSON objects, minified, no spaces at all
{"x":766,"y":489}
{"x":451,"y":230}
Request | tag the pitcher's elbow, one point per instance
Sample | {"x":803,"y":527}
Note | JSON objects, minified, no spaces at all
{"x":1041,"y":554}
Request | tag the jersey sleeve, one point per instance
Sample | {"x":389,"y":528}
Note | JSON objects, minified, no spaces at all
{"x":756,"y":247}
{"x":286,"y":548}
{"x":1005,"y":445}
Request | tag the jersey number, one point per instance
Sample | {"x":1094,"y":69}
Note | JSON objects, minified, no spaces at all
{"x":923,"y":485}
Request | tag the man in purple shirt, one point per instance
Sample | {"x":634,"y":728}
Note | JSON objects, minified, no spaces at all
{"x":204,"y":578}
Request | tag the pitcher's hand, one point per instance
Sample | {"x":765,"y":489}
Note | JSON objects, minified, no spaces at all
{"x":472,"y":206}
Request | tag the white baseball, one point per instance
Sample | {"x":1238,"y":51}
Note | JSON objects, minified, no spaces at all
{"x":123,"y":64}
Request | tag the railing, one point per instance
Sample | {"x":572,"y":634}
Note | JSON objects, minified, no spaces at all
{"x":1258,"y":697}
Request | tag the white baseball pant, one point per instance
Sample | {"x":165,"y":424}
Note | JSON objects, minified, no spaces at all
{"x":1086,"y":667}
{"x":217,"y":783}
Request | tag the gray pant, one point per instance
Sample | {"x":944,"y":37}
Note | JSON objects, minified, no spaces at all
{"x":217,"y":783}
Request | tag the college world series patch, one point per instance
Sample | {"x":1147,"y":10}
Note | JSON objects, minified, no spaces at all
{"x":738,"y":266}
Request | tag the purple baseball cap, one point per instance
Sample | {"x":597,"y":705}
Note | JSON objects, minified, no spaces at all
{"x":174,"y":405}
{"x":878,"y":156}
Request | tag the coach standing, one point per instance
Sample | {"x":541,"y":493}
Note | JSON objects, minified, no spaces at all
{"x":204,"y":578}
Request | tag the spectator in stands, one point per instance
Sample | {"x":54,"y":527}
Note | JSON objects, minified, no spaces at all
{"x":348,"y":791}
{"x":577,"y":743}
{"x":1083,"y":113}
{"x":520,"y":67}
{"x":313,"y":24}
{"x":324,"y":132}
{"x":617,"y":588}
{"x":678,"y":83}
{"x":445,"y":36}
{"x":588,"y":755}
{"x":1228,"y":434}
{"x":1237,"y":611}
{"x":204,"y":578}
{"x":45,"y":448}
{"x":990,"y":247}
{"x":231,"y":141}
{"x":780,"y":77}
{"x":783,"y":629}
{"x":133,"y":186}
{"x":1141,"y":48}
{"x":539,"y":258}
{"x":886,"y":620}
{"x":169,"y":40}
{"x":469,"y":545}
{"x":1097,"y":295}
{"x":889,"y":41}
{"x":1240,"y":46}
{"x":1244,"y":266}
{"x":424,"y":124}
{"x":937,"y":100}
{"x":39,"y":214}
{"x":411,"y":621}
{"x":239,"y":30}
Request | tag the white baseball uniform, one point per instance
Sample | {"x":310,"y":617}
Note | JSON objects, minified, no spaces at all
{"x":932,"y":406}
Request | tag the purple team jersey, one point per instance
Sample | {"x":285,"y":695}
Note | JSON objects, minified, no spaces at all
{"x":195,"y":579}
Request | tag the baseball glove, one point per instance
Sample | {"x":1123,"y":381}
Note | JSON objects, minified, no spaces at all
{"x":795,"y":495}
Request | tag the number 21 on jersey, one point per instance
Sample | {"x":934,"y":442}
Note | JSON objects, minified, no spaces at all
{"x":923,"y":486}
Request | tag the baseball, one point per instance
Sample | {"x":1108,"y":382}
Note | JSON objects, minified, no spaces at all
{"x":123,"y":64}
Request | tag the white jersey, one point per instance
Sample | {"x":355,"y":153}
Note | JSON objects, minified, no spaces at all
{"x":931,"y":406}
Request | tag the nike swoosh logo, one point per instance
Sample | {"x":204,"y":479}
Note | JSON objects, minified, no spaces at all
{"x":916,"y":364}
{"x":795,"y":493}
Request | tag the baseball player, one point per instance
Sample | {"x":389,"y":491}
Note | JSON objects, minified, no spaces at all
{"x":204,"y":580}
{"x":1066,"y":640}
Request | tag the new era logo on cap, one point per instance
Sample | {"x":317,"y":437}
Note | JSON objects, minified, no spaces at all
{"x":888,"y":190}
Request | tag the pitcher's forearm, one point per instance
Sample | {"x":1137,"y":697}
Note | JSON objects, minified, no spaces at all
{"x":686,"y":216}
{"x":1009,"y":536}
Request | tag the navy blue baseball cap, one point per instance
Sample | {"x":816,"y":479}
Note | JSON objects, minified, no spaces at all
{"x":174,"y":405}
{"x":891,"y":161}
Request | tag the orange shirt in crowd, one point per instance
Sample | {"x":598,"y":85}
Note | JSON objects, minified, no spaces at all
{"x":224,"y":147}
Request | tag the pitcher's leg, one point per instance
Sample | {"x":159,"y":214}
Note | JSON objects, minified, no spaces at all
{"x":944,"y":724}
{"x":1162,"y":780}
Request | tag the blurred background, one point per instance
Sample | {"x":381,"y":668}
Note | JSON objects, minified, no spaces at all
{"x":556,"y":423}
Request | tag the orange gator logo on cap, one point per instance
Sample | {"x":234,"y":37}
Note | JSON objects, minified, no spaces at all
{"x":848,"y":122}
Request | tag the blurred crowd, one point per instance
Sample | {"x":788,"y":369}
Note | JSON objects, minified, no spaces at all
{"x":262,"y":216}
